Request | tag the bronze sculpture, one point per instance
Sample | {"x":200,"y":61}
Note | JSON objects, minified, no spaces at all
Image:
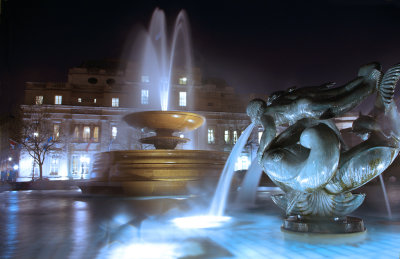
{"x":309,"y":160}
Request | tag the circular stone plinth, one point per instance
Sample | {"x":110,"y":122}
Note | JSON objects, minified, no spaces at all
{"x":324,"y":226}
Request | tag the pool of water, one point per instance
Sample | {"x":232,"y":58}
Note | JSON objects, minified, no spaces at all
{"x":68,"y":224}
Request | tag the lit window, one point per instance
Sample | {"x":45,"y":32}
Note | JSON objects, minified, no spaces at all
{"x":115,"y":102}
{"x":182,"y":98}
{"x":76,"y":133}
{"x":94,"y":100}
{"x":96,"y":134}
{"x":145,"y":79}
{"x":114,"y":132}
{"x":75,"y":165}
{"x":259,"y":136}
{"x":183,"y":80}
{"x":226,"y":136}
{"x":39,"y":100}
{"x":56,"y":131}
{"x":58,"y":99}
{"x":211,"y":136}
{"x":54,"y":165}
{"x":242,"y":163}
{"x":235,"y":136}
{"x":144,"y":97}
{"x":85,"y":165}
{"x":79,"y":100}
{"x":86,"y":134}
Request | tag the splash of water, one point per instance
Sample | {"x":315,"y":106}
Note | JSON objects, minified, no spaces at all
{"x":202,"y":221}
{"x":221,"y":194}
{"x":158,"y":59}
{"x":248,"y":190}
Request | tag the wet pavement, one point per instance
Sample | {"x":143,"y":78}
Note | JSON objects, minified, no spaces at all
{"x":68,"y":224}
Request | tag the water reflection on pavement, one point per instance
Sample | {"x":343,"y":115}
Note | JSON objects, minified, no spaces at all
{"x":67,"y":224}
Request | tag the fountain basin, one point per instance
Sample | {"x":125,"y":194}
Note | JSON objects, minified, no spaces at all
{"x":164,"y":121}
{"x":156,"y":172}
{"x":164,"y":124}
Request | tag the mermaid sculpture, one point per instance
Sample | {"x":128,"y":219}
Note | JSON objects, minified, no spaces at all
{"x":309,"y":160}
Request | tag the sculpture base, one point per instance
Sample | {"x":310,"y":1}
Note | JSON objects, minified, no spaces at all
{"x":324,"y":226}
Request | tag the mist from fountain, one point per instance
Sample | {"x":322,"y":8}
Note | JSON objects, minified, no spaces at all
{"x":160,"y":57}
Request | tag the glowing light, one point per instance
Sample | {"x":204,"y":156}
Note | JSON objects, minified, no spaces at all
{"x":147,"y":251}
{"x":183,"y":80}
{"x":114,"y":132}
{"x":26,"y":163}
{"x":259,"y":136}
{"x":115,"y":102}
{"x":10,"y":159}
{"x":85,"y":159}
{"x":121,"y":219}
{"x":203,"y":221}
{"x":15,"y":167}
{"x":182,"y":98}
{"x":80,"y":205}
{"x":181,"y":136}
{"x":242,"y":163}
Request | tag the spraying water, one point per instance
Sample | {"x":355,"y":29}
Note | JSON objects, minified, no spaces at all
{"x":221,"y":194}
{"x":248,"y":190}
{"x":159,"y":59}
{"x":389,"y":211}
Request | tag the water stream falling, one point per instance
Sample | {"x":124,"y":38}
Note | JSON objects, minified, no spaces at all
{"x":389,"y":211}
{"x":160,"y":57}
{"x":218,"y":203}
{"x":248,"y":190}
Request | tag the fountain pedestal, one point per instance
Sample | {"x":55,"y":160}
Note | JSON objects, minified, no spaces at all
{"x":324,"y":225}
{"x":160,"y":171}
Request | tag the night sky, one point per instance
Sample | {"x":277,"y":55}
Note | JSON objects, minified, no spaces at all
{"x":256,"y":46}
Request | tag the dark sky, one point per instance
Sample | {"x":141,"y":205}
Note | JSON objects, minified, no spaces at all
{"x":256,"y":46}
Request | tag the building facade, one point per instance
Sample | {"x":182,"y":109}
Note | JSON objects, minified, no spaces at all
{"x":89,"y":107}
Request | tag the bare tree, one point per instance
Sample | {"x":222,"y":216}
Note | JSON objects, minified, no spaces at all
{"x":38,"y":135}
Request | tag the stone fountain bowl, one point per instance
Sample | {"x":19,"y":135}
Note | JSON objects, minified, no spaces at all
{"x":175,"y":121}
{"x":155,"y":172}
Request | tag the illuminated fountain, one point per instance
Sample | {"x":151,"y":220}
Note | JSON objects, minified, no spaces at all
{"x":161,"y":171}
{"x":165,"y":170}
{"x":160,"y":58}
